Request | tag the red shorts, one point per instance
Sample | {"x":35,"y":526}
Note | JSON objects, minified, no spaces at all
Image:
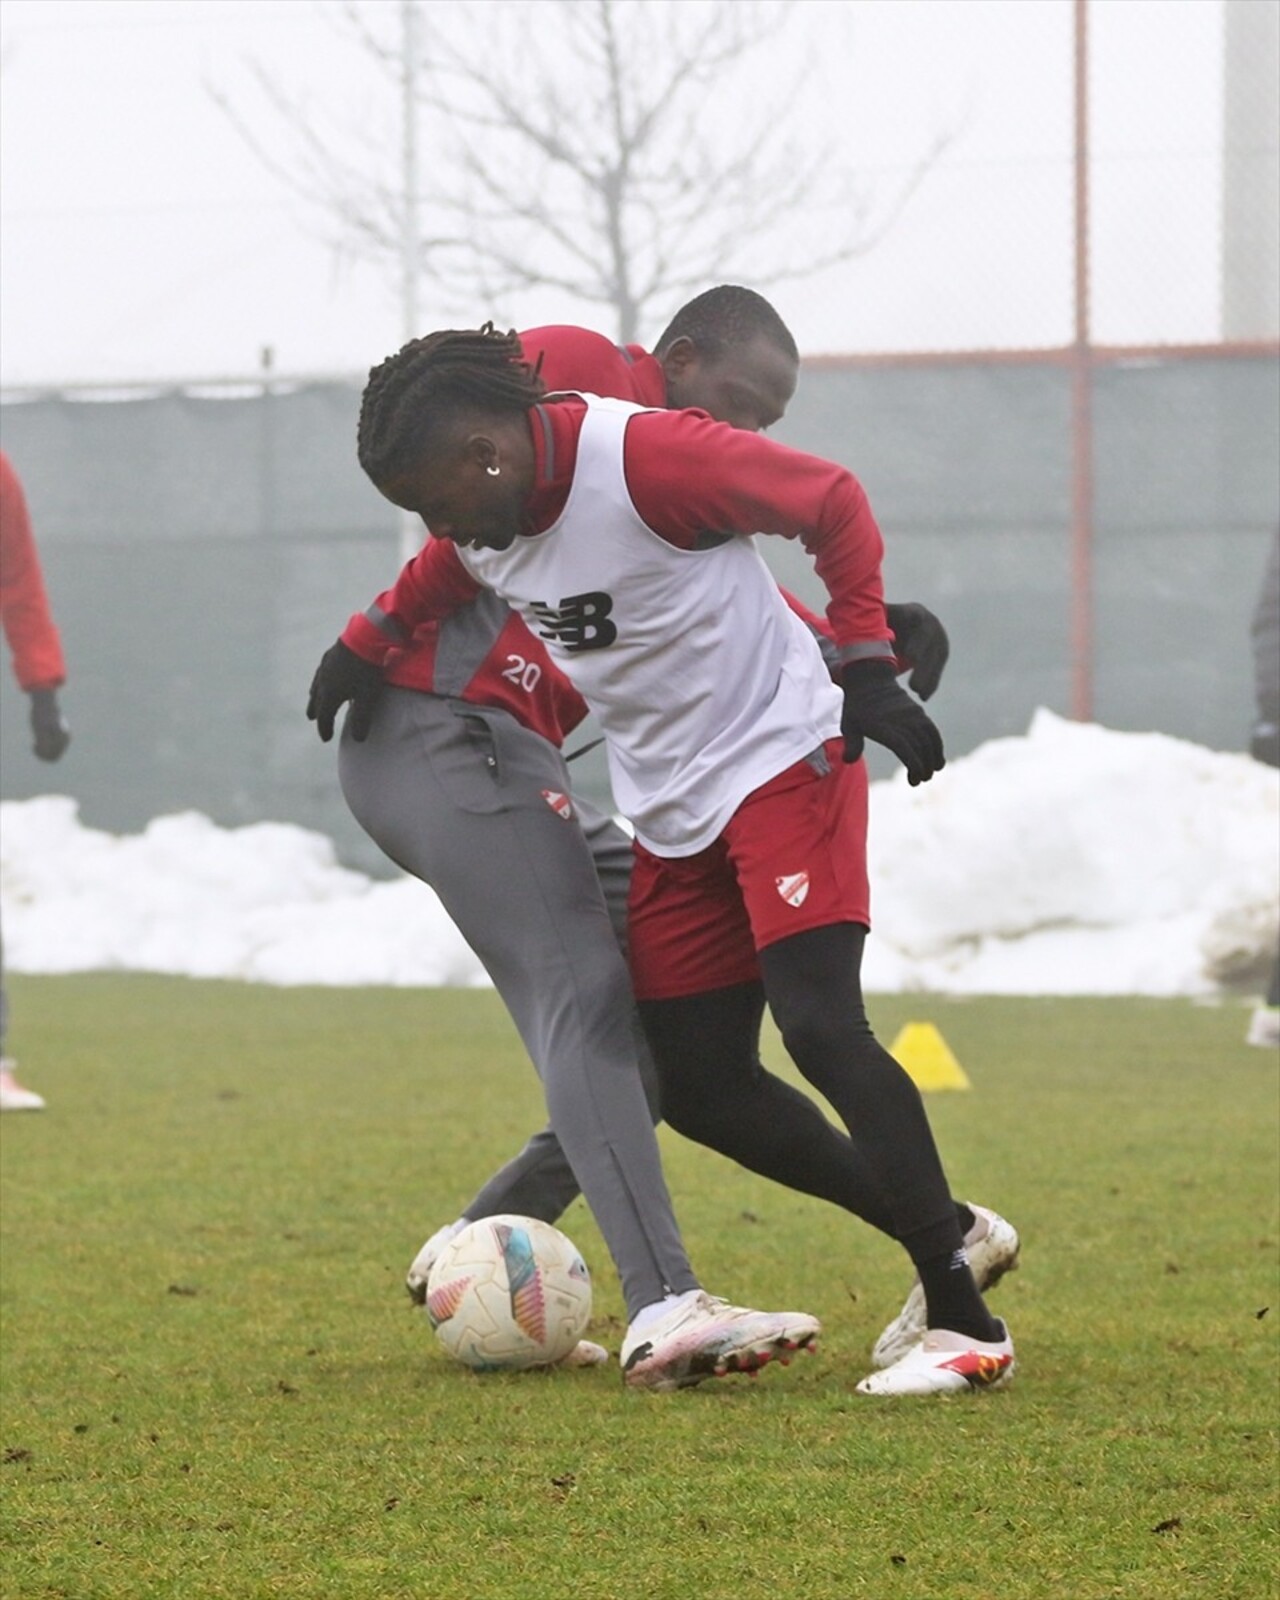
{"x":792,"y":857}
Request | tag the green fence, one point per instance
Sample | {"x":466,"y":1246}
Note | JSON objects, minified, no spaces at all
{"x":203,"y":549}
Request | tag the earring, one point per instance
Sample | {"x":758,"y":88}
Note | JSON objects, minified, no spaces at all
{"x":493,"y":471}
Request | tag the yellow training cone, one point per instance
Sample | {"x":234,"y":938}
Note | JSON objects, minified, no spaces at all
{"x":923,"y":1053}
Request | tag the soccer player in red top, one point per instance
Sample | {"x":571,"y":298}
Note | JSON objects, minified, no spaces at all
{"x":460,"y":780}
{"x":436,"y":773}
{"x":619,"y":533}
{"x":728,"y":353}
{"x":36,"y":654}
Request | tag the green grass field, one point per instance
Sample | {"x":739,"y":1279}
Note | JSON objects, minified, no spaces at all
{"x":213,"y":1385}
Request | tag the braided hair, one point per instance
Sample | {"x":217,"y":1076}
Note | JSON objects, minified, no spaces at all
{"x":411,"y":396}
{"x":725,"y":316}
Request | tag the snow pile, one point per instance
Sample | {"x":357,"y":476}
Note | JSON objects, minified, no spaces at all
{"x":1076,"y":860}
{"x":267,"y":903}
{"x":1073,"y":860}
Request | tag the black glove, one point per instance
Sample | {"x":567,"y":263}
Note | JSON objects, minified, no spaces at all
{"x":1264,"y":745}
{"x":49,"y":725}
{"x":920,"y":641}
{"x":877,"y":707}
{"x":341,"y":676}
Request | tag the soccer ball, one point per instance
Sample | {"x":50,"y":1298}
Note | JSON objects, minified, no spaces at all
{"x":509,"y":1292}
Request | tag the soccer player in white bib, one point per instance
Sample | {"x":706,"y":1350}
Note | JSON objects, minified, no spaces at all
{"x":622,"y":536}
{"x":452,"y":757}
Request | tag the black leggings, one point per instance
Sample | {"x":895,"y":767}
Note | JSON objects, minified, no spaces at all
{"x":716,"y":1091}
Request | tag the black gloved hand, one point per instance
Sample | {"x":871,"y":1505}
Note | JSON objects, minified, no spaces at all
{"x":921,"y":641}
{"x":877,"y":707}
{"x":49,"y":725}
{"x":341,"y":676}
{"x":1264,"y":744}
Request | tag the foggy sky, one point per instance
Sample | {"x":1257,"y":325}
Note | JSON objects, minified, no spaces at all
{"x":141,"y":237}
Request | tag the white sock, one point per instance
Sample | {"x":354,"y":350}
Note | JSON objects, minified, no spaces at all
{"x":659,"y":1308}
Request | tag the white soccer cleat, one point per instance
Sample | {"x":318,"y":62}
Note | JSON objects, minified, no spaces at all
{"x":1264,"y":1028}
{"x":416,"y":1278}
{"x":584,"y":1354}
{"x":992,"y":1247}
{"x":946,"y":1363}
{"x":703,"y":1337}
{"x":13,"y":1097}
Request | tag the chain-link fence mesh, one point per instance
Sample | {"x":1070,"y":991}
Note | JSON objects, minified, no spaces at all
{"x":195,"y":595}
{"x":1153,"y":126}
{"x":202,"y":549}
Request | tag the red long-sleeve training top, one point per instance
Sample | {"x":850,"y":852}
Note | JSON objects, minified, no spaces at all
{"x":689,"y":477}
{"x":24,"y":606}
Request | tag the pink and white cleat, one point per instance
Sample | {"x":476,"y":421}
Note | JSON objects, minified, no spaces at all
{"x":946,"y":1363}
{"x":992,"y":1246}
{"x":703,"y":1337}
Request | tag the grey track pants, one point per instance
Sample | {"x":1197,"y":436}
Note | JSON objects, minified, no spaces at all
{"x":539,"y":1182}
{"x":454,"y":794}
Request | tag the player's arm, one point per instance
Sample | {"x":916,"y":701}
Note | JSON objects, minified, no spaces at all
{"x":819,"y":627}
{"x":1264,"y":633}
{"x":920,"y":641}
{"x":692,"y":479}
{"x":34,"y":646}
{"x":432,"y":586}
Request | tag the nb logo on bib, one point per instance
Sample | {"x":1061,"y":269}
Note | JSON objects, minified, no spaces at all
{"x":579,"y":622}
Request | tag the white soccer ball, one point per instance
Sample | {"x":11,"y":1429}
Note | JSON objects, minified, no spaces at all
{"x":509,"y":1292}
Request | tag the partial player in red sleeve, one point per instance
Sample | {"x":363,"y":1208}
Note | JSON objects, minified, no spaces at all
{"x":36,"y":654}
{"x":737,"y":760}
{"x":1264,"y":746}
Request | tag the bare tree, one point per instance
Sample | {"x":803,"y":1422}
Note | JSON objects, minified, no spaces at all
{"x":617,"y":150}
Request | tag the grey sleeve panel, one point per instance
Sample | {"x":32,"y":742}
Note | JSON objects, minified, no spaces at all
{"x":830,"y":649}
{"x":871,"y":650}
{"x":386,"y":625}
{"x":1265,"y":633}
{"x":465,"y":640}
{"x":548,"y":443}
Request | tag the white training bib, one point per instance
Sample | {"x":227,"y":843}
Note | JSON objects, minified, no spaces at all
{"x":705,"y":682}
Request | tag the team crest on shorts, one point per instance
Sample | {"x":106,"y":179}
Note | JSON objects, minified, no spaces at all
{"x":793,"y":888}
{"x":559,"y":803}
